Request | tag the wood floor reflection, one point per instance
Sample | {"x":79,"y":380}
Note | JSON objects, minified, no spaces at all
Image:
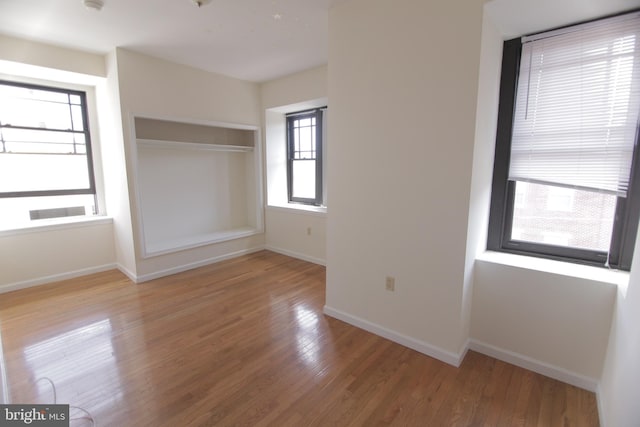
{"x":244,"y":342}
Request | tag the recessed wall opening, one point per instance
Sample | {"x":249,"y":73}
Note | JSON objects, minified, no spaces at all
{"x":197,"y":183}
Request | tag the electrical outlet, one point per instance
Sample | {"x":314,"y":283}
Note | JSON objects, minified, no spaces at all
{"x":308,"y":231}
{"x":390,"y":283}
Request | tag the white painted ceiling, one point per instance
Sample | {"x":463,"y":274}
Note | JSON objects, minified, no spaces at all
{"x":515,"y":18}
{"x":255,"y":40}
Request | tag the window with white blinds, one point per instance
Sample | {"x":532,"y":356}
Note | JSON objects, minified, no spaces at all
{"x":566,"y":178}
{"x":577,"y":106}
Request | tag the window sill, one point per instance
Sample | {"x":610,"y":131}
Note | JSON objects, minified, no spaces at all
{"x":57,"y":224}
{"x":299,"y":208}
{"x":615,"y":277}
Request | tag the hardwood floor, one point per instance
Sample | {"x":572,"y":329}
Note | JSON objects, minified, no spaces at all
{"x":244,"y":342}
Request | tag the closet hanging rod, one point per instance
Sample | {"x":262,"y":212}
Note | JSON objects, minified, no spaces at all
{"x":179,"y":145}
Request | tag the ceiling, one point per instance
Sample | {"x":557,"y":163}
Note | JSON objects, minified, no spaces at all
{"x":255,"y":40}
{"x":514,"y":18}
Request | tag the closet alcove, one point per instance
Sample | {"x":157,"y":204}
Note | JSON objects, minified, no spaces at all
{"x":197,"y":183}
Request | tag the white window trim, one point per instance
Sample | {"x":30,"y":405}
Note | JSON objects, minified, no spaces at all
{"x":617,"y":278}
{"x":58,"y":224}
{"x":299,"y":208}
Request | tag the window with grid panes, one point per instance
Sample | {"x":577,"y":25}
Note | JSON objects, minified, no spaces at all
{"x":46,"y":168}
{"x":304,"y":157}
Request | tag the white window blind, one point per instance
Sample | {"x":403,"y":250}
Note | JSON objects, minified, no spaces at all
{"x":577,"y":106}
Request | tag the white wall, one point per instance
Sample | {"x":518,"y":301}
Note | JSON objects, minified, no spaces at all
{"x":40,"y":255}
{"x":51,"y":57}
{"x":620,"y":386}
{"x":299,"y":87}
{"x":32,"y":257}
{"x":483,"y":153}
{"x":115,"y":173}
{"x":559,"y":323}
{"x":294,"y":232}
{"x":297,"y":233}
{"x":403,"y":85}
{"x":275,"y":131}
{"x":152,"y":87}
{"x":213,"y":183}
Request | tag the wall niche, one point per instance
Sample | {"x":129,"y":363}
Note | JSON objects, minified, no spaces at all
{"x":197,"y":183}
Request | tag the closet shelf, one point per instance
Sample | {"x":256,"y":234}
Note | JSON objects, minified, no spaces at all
{"x":179,"y":145}
{"x":189,"y":242}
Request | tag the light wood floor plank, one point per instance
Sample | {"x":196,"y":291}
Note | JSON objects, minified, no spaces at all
{"x":245,"y":342}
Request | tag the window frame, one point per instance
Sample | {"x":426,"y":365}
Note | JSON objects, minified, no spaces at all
{"x":627,"y":214}
{"x":91,"y":189}
{"x":291,"y":118}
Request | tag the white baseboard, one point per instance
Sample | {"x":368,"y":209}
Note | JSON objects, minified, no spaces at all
{"x":126,"y":272}
{"x":526,"y":362}
{"x":296,"y":255}
{"x":600,"y":406}
{"x":464,"y":350}
{"x":134,"y":278}
{"x":546,"y":369}
{"x":192,"y":265}
{"x":55,"y":278}
{"x":414,"y":344}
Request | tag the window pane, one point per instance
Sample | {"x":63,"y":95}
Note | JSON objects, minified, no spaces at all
{"x":296,"y":142}
{"x":304,"y":122}
{"x":41,"y":172}
{"x":41,"y":141}
{"x":304,"y":179}
{"x":35,"y":113}
{"x":78,"y":122}
{"x":43,"y":148}
{"x":563,"y":216}
{"x":80,"y":145}
{"x":19,"y":92}
{"x":304,"y":138}
{"x":305,"y":143}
